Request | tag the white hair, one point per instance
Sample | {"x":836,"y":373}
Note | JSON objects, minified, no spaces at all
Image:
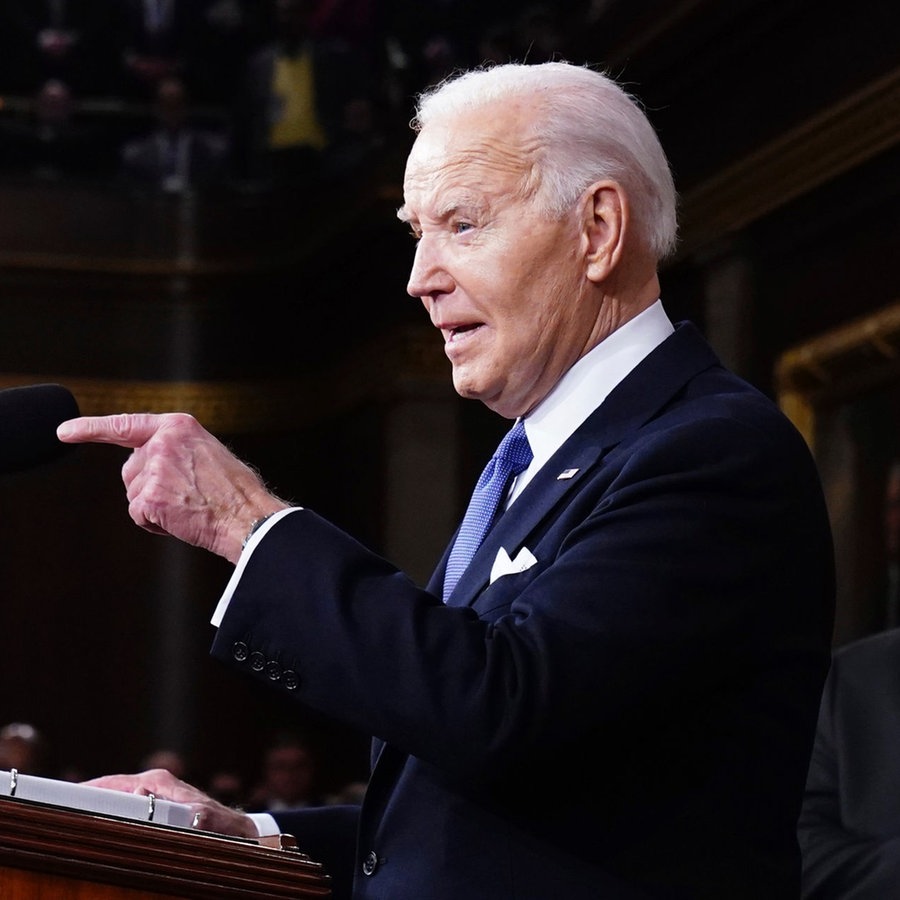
{"x":589,"y":129}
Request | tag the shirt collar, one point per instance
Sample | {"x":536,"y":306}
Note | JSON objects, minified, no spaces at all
{"x":588,"y":383}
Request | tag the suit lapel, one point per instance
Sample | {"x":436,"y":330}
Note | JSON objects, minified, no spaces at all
{"x":511,"y":530}
{"x":636,"y":399}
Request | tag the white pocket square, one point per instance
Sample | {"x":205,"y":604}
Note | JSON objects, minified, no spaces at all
{"x":503,"y":565}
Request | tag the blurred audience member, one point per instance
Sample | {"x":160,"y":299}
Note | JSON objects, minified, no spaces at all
{"x":227,"y":32}
{"x":352,"y":792}
{"x":175,"y":156}
{"x":22,"y":747}
{"x":73,"y":773}
{"x":61,"y":39}
{"x":154,"y":41}
{"x":848,"y":829}
{"x":49,"y":143}
{"x":166,"y":758}
{"x":301,"y":99}
{"x":289,"y":777}
{"x":227,"y":786}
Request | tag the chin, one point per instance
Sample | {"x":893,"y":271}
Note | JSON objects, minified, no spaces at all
{"x":468,"y":394}
{"x":470,"y":389}
{"x":464,"y":387}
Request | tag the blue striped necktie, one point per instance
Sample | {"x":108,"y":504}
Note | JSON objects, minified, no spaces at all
{"x":511,"y":457}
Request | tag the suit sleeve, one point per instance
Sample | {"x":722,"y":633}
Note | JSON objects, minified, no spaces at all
{"x":697,"y":549}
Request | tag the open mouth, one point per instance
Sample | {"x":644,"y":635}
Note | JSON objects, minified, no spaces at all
{"x":461,"y":331}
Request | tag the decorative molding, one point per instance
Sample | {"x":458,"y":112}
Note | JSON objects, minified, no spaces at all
{"x":838,"y":365}
{"x":838,"y":139}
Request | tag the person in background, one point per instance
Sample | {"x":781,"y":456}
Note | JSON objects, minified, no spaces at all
{"x":226,"y":785}
{"x":23,"y":748}
{"x":289,"y":776}
{"x":848,"y":833}
{"x":848,"y":826}
{"x":166,"y":758}
{"x":176,"y":156}
{"x":60,"y":40}
{"x":49,"y":144}
{"x":303,"y":109}
{"x":153,"y":40}
{"x":612,"y":693}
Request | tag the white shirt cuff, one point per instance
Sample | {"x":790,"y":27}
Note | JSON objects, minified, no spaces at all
{"x":255,"y":538}
{"x":265,"y":824}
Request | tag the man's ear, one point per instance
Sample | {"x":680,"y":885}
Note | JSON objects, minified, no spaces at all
{"x":605,"y":224}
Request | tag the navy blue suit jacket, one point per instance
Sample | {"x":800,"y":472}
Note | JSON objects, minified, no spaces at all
{"x":631,"y":716}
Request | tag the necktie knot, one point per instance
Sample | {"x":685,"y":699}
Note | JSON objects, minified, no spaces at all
{"x":514,"y":450}
{"x":511,"y":458}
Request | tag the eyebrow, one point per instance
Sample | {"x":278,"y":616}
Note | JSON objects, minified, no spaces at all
{"x":469,"y":202}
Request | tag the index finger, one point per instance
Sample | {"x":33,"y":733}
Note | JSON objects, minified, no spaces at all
{"x":125,"y":429}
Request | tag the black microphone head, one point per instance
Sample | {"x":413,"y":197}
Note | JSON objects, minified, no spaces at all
{"x":29,"y":417}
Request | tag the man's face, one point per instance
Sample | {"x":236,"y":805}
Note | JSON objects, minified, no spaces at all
{"x":505,"y":285}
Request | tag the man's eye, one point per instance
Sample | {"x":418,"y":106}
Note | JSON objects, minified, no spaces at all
{"x":460,"y":227}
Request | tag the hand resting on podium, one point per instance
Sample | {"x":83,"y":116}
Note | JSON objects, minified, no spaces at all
{"x":209,"y":814}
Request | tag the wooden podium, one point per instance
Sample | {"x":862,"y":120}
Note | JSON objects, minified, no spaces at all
{"x":53,"y":853}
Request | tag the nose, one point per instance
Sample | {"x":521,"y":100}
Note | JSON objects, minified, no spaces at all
{"x":428,"y":275}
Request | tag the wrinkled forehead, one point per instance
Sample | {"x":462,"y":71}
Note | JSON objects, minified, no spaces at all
{"x":487,"y":150}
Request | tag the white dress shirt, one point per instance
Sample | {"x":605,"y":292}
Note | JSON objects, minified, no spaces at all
{"x":587,"y":384}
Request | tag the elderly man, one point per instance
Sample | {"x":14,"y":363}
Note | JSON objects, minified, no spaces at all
{"x":613,"y":692}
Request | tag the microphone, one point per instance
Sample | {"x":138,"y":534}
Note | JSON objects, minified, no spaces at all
{"x":29,"y":417}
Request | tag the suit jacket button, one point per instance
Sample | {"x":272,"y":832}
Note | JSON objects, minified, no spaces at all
{"x":290,"y":679}
{"x":257,"y":661}
{"x":240,"y":651}
{"x":273,"y":671}
{"x":370,"y":864}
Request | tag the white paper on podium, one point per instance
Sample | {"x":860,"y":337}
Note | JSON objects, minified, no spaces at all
{"x":88,"y":798}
